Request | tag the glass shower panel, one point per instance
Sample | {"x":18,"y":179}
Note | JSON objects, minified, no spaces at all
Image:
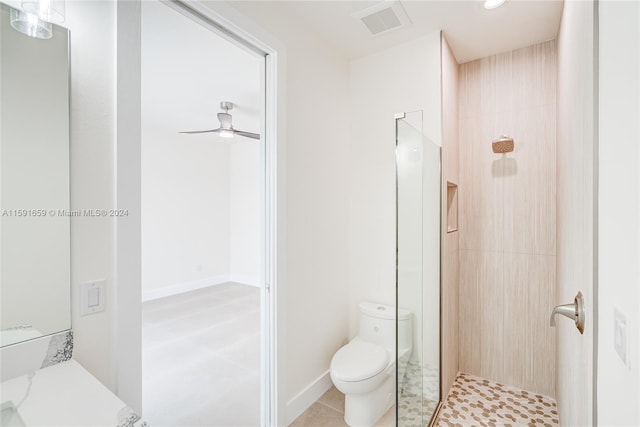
{"x":418,"y":198}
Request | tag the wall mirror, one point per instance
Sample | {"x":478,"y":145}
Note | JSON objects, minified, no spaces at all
{"x":34,"y":183}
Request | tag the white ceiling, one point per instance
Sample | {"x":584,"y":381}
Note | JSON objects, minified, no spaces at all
{"x":187,"y":70}
{"x":472,"y":31}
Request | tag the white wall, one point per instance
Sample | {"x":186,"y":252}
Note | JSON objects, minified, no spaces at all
{"x":404,"y":78}
{"x":92,"y":26}
{"x":619,"y":209}
{"x":201,"y":221}
{"x":317,"y":127}
{"x":200,"y":213}
{"x":575,"y":209}
{"x":200,"y":194}
{"x":244,"y":212}
{"x":185,"y":211}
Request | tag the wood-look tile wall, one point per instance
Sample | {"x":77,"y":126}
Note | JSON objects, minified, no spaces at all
{"x":450,"y":243}
{"x":507,"y":218}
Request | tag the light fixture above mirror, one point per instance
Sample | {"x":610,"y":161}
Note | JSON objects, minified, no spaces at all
{"x":47,"y":10}
{"x":30,"y":25}
{"x":36,"y":18}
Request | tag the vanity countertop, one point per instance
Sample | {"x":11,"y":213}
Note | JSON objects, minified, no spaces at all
{"x":67,"y":395}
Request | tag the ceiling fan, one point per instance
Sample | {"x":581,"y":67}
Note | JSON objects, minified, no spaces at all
{"x":226,"y":129}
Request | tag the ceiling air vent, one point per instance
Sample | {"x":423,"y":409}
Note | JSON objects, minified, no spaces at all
{"x":383,"y":17}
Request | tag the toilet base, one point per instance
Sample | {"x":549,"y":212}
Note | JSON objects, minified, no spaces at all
{"x":364,"y":410}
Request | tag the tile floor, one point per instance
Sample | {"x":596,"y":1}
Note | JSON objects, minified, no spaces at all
{"x":472,"y":402}
{"x":475,"y":401}
{"x":201,"y":358}
{"x":328,"y":411}
{"x":419,"y":394}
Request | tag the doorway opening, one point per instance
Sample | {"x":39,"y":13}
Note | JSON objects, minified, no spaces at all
{"x":205,"y":235}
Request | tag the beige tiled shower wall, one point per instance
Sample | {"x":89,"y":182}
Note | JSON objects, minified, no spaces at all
{"x":450,"y":249}
{"x":507,"y":218}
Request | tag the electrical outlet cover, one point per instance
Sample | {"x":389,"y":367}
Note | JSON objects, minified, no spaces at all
{"x":92,"y":297}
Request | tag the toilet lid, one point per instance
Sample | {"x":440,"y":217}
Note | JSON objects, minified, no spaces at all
{"x":359,"y":361}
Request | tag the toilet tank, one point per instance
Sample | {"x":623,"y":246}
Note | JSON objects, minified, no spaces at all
{"x":378,"y":325}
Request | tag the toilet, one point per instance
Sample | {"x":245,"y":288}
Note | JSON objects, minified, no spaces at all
{"x":365,"y":369}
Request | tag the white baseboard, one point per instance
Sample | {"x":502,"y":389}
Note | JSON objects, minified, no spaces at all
{"x":179,"y":288}
{"x":297,"y":405}
{"x":245,"y":280}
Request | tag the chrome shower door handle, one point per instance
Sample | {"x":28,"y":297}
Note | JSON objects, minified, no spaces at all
{"x":573,"y":311}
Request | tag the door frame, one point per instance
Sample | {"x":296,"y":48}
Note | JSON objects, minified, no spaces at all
{"x":127,"y":323}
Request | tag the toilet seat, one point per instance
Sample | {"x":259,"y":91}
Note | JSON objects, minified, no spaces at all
{"x":358,"y":361}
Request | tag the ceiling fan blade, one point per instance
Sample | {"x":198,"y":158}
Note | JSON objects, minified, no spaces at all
{"x":225,"y":120}
{"x":202,"y":131}
{"x":247,"y":134}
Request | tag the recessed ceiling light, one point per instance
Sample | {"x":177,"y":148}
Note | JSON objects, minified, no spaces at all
{"x":492,"y":4}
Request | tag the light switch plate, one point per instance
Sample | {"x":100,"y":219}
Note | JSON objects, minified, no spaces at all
{"x":92,"y":297}
{"x":621,"y":335}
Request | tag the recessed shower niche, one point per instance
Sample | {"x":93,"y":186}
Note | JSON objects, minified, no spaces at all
{"x":452,"y":207}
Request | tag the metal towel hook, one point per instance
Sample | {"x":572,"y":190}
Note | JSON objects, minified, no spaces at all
{"x":573,"y":311}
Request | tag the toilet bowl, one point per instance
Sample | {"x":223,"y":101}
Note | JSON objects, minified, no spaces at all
{"x":359,"y":367}
{"x":365,"y":369}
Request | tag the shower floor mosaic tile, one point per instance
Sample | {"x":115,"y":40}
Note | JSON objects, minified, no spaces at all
{"x":418,"y":395}
{"x":475,"y":401}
